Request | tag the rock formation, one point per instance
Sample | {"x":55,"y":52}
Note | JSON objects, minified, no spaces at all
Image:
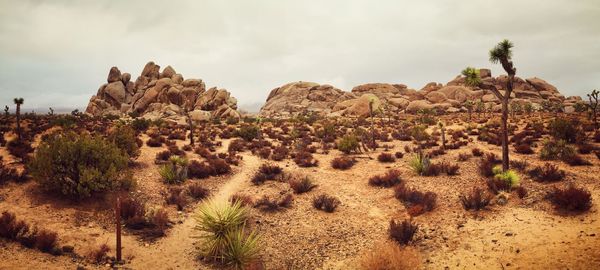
{"x":165,"y":94}
{"x":303,"y":97}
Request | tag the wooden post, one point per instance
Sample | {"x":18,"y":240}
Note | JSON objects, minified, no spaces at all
{"x":118,"y":224}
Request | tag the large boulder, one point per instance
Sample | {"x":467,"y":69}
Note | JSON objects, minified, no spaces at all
{"x":360,"y":106}
{"x":116,"y":90}
{"x":436,"y":97}
{"x":114,"y":75}
{"x":415,"y":106}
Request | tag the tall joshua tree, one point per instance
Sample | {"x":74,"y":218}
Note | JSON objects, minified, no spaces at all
{"x":501,"y":53}
{"x":593,"y":105}
{"x":18,"y":102}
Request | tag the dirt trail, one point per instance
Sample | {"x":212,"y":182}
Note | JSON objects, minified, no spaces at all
{"x":178,"y":249}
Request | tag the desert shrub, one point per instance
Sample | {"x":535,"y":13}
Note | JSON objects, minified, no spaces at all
{"x":154,"y":142}
{"x":326,"y":203}
{"x":162,"y":156}
{"x":243,"y":199}
{"x":464,"y":156}
{"x":10,"y":228}
{"x":197,"y":191}
{"x":348,"y":144}
{"x":6,"y":173}
{"x":556,"y":149}
{"x":511,"y":178}
{"x":267,"y":204}
{"x":476,"y":200}
{"x":521,"y":192}
{"x":520,"y":165}
{"x":264,"y":152}
{"x":223,"y":238}
{"x":46,"y":241}
{"x":419,"y":133}
{"x":187,"y":148}
{"x":220,"y":166}
{"x":176,"y":196}
{"x":449,"y":169}
{"x":415,"y":201}
{"x":99,"y":255}
{"x":79,"y":165}
{"x":524,"y":149}
{"x":125,"y":138}
{"x":236,"y":145}
{"x":266,"y":172}
{"x":248,"y":132}
{"x":158,"y":223}
{"x":132,"y":208}
{"x":571,"y":199}
{"x":497,"y":185}
{"x":342,"y":163}
{"x":564,"y":129}
{"x":175,"y":171}
{"x":389,"y":256}
{"x":548,"y":173}
{"x":386,"y":157}
{"x":389,"y":179}
{"x":402,"y":232}
{"x":141,"y":124}
{"x":174,"y":149}
{"x":19,"y":149}
{"x":200,"y":170}
{"x":302,"y":185}
{"x":477,"y":152}
{"x":305,"y":159}
{"x":280,"y":153}
{"x":487,"y":164}
{"x":399,"y":154}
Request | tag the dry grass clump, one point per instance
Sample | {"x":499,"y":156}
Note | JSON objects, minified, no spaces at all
{"x":477,"y":200}
{"x":416,"y":202}
{"x":301,"y":184}
{"x":266,"y":172}
{"x":487,"y":164}
{"x":386,"y":158}
{"x":342,"y":163}
{"x":305,"y":159}
{"x":389,"y":256}
{"x":99,"y":255}
{"x":326,"y":203}
{"x":20,"y":231}
{"x":267,"y":204}
{"x":571,"y":198}
{"x":198,"y":192}
{"x":243,"y":199}
{"x":389,"y":179}
{"x":547,"y":173}
{"x":402,"y":232}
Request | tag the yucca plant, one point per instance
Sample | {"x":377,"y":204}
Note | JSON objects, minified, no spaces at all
{"x":223,"y":238}
{"x":510,"y":177}
{"x":175,"y":171}
{"x":419,"y":163}
{"x":242,"y":249}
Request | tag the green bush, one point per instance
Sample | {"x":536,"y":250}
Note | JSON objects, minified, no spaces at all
{"x":248,"y":132}
{"x":419,"y":133}
{"x":565,"y":129}
{"x":510,"y":177}
{"x":141,"y":124}
{"x":348,"y":144}
{"x":175,"y":171}
{"x":557,"y":149}
{"x":79,"y":165}
{"x":124,"y":137}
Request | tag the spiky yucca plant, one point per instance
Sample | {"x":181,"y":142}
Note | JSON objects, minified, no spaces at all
{"x":419,"y":163}
{"x":510,"y":176}
{"x":223,"y":236}
{"x":242,"y":248}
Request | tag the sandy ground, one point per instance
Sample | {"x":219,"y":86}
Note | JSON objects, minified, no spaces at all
{"x":524,"y":234}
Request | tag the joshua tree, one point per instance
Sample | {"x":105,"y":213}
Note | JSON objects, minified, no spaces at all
{"x":528,"y":108}
{"x":371,"y":101}
{"x":443,"y":131}
{"x":479,"y":107}
{"x":191,"y":126}
{"x":6,"y":111}
{"x":50,"y":111}
{"x":18,"y":102}
{"x":593,"y":105}
{"x":501,"y":53}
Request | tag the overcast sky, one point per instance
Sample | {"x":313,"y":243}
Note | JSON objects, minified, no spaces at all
{"x":57,"y":53}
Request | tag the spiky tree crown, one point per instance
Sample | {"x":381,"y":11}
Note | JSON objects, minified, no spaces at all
{"x":501,"y":52}
{"x":472,"y":76}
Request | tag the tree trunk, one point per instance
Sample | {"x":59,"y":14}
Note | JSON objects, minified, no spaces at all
{"x":18,"y":113}
{"x":118,"y":227}
{"x":505,"y":163}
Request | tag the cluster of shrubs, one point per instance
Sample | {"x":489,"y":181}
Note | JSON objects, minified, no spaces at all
{"x":326,"y":203}
{"x":560,"y":150}
{"x":210,"y":167}
{"x":305,"y":159}
{"x":416,"y":202}
{"x":402,"y":232}
{"x":266,"y":172}
{"x":30,"y":237}
{"x":180,"y":197}
{"x":342,"y":163}
{"x":389,"y":179}
{"x":547,"y":173}
{"x":477,"y":200}
{"x":571,"y":198}
{"x":275,"y":204}
{"x":301,"y":184}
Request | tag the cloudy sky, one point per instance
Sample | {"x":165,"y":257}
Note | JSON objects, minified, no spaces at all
{"x":57,"y":53}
